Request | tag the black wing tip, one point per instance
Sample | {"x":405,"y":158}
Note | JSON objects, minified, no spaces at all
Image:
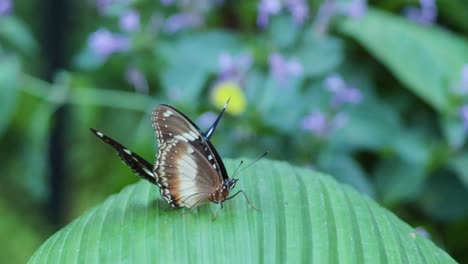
{"x":227,"y":102}
{"x":95,"y":132}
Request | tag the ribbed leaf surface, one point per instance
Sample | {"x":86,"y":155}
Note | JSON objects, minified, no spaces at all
{"x":305,"y":217}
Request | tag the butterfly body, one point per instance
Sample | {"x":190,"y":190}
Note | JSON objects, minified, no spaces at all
{"x":188,"y":170}
{"x":222,"y":193}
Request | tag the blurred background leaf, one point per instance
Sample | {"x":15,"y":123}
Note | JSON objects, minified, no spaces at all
{"x":427,"y":60}
{"x":9,"y":77}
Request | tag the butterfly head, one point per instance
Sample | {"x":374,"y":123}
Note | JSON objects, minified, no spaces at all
{"x":230,"y":183}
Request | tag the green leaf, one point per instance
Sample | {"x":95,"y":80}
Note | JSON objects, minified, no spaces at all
{"x":346,"y":170}
{"x":269,"y":98}
{"x":398,"y":180}
{"x":371,"y":125}
{"x":283,"y":31}
{"x":459,"y":164}
{"x":87,"y":59}
{"x":454,"y":131}
{"x":454,"y":11}
{"x":190,"y":59}
{"x":36,"y":152}
{"x":19,"y":239}
{"x":412,"y":146}
{"x":305,"y":217}
{"x":275,"y":99}
{"x":17,"y":35}
{"x":443,"y":197}
{"x":200,"y":50}
{"x":426,"y":59}
{"x":183,"y":82}
{"x":9,"y":79}
{"x":319,"y":55}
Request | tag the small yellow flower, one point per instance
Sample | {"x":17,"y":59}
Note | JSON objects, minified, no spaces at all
{"x":224,"y":90}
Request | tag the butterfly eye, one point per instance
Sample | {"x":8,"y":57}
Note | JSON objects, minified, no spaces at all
{"x":232,"y":183}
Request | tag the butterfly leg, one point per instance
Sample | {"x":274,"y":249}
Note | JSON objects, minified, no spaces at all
{"x":210,"y":131}
{"x":246,"y":198}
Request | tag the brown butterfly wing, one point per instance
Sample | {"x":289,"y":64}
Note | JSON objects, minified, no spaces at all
{"x":186,"y":169}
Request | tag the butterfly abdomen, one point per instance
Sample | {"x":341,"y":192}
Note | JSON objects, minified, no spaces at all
{"x":220,"y":195}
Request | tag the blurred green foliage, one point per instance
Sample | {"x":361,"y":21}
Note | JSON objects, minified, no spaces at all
{"x":403,"y":144}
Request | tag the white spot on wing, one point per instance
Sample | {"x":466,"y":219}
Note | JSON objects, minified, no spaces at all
{"x":190,"y":136}
{"x":193,"y":134}
{"x":99,"y":134}
{"x":168,"y":113}
{"x":180,"y":137}
{"x":148,"y":172}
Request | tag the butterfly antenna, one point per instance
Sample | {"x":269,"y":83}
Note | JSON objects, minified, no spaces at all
{"x":210,"y":131}
{"x":238,"y":166}
{"x":253,"y":162}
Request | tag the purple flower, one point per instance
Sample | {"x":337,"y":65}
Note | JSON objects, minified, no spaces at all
{"x":6,"y":6}
{"x":103,"y":6}
{"x":299,"y":10}
{"x":464,"y":116}
{"x":281,"y":69}
{"x":334,"y":83}
{"x":226,"y":63}
{"x":331,"y":8}
{"x":342,"y":92}
{"x":319,"y":124}
{"x":130,"y":21}
{"x":311,"y":166}
{"x":425,"y":15}
{"x":315,"y":122}
{"x":356,"y":8}
{"x":235,"y":68}
{"x":464,"y":74}
{"x":266,"y":8}
{"x":461,"y":87}
{"x":339,"y":120}
{"x":324,"y":15}
{"x":137,"y":79}
{"x":103,"y":43}
{"x":353,"y":9}
{"x":206,"y":119}
{"x":349,"y":95}
{"x":181,"y":21}
{"x":176,"y":93}
{"x":422,"y":232}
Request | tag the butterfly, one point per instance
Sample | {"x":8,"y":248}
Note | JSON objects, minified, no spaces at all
{"x":188,"y":170}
